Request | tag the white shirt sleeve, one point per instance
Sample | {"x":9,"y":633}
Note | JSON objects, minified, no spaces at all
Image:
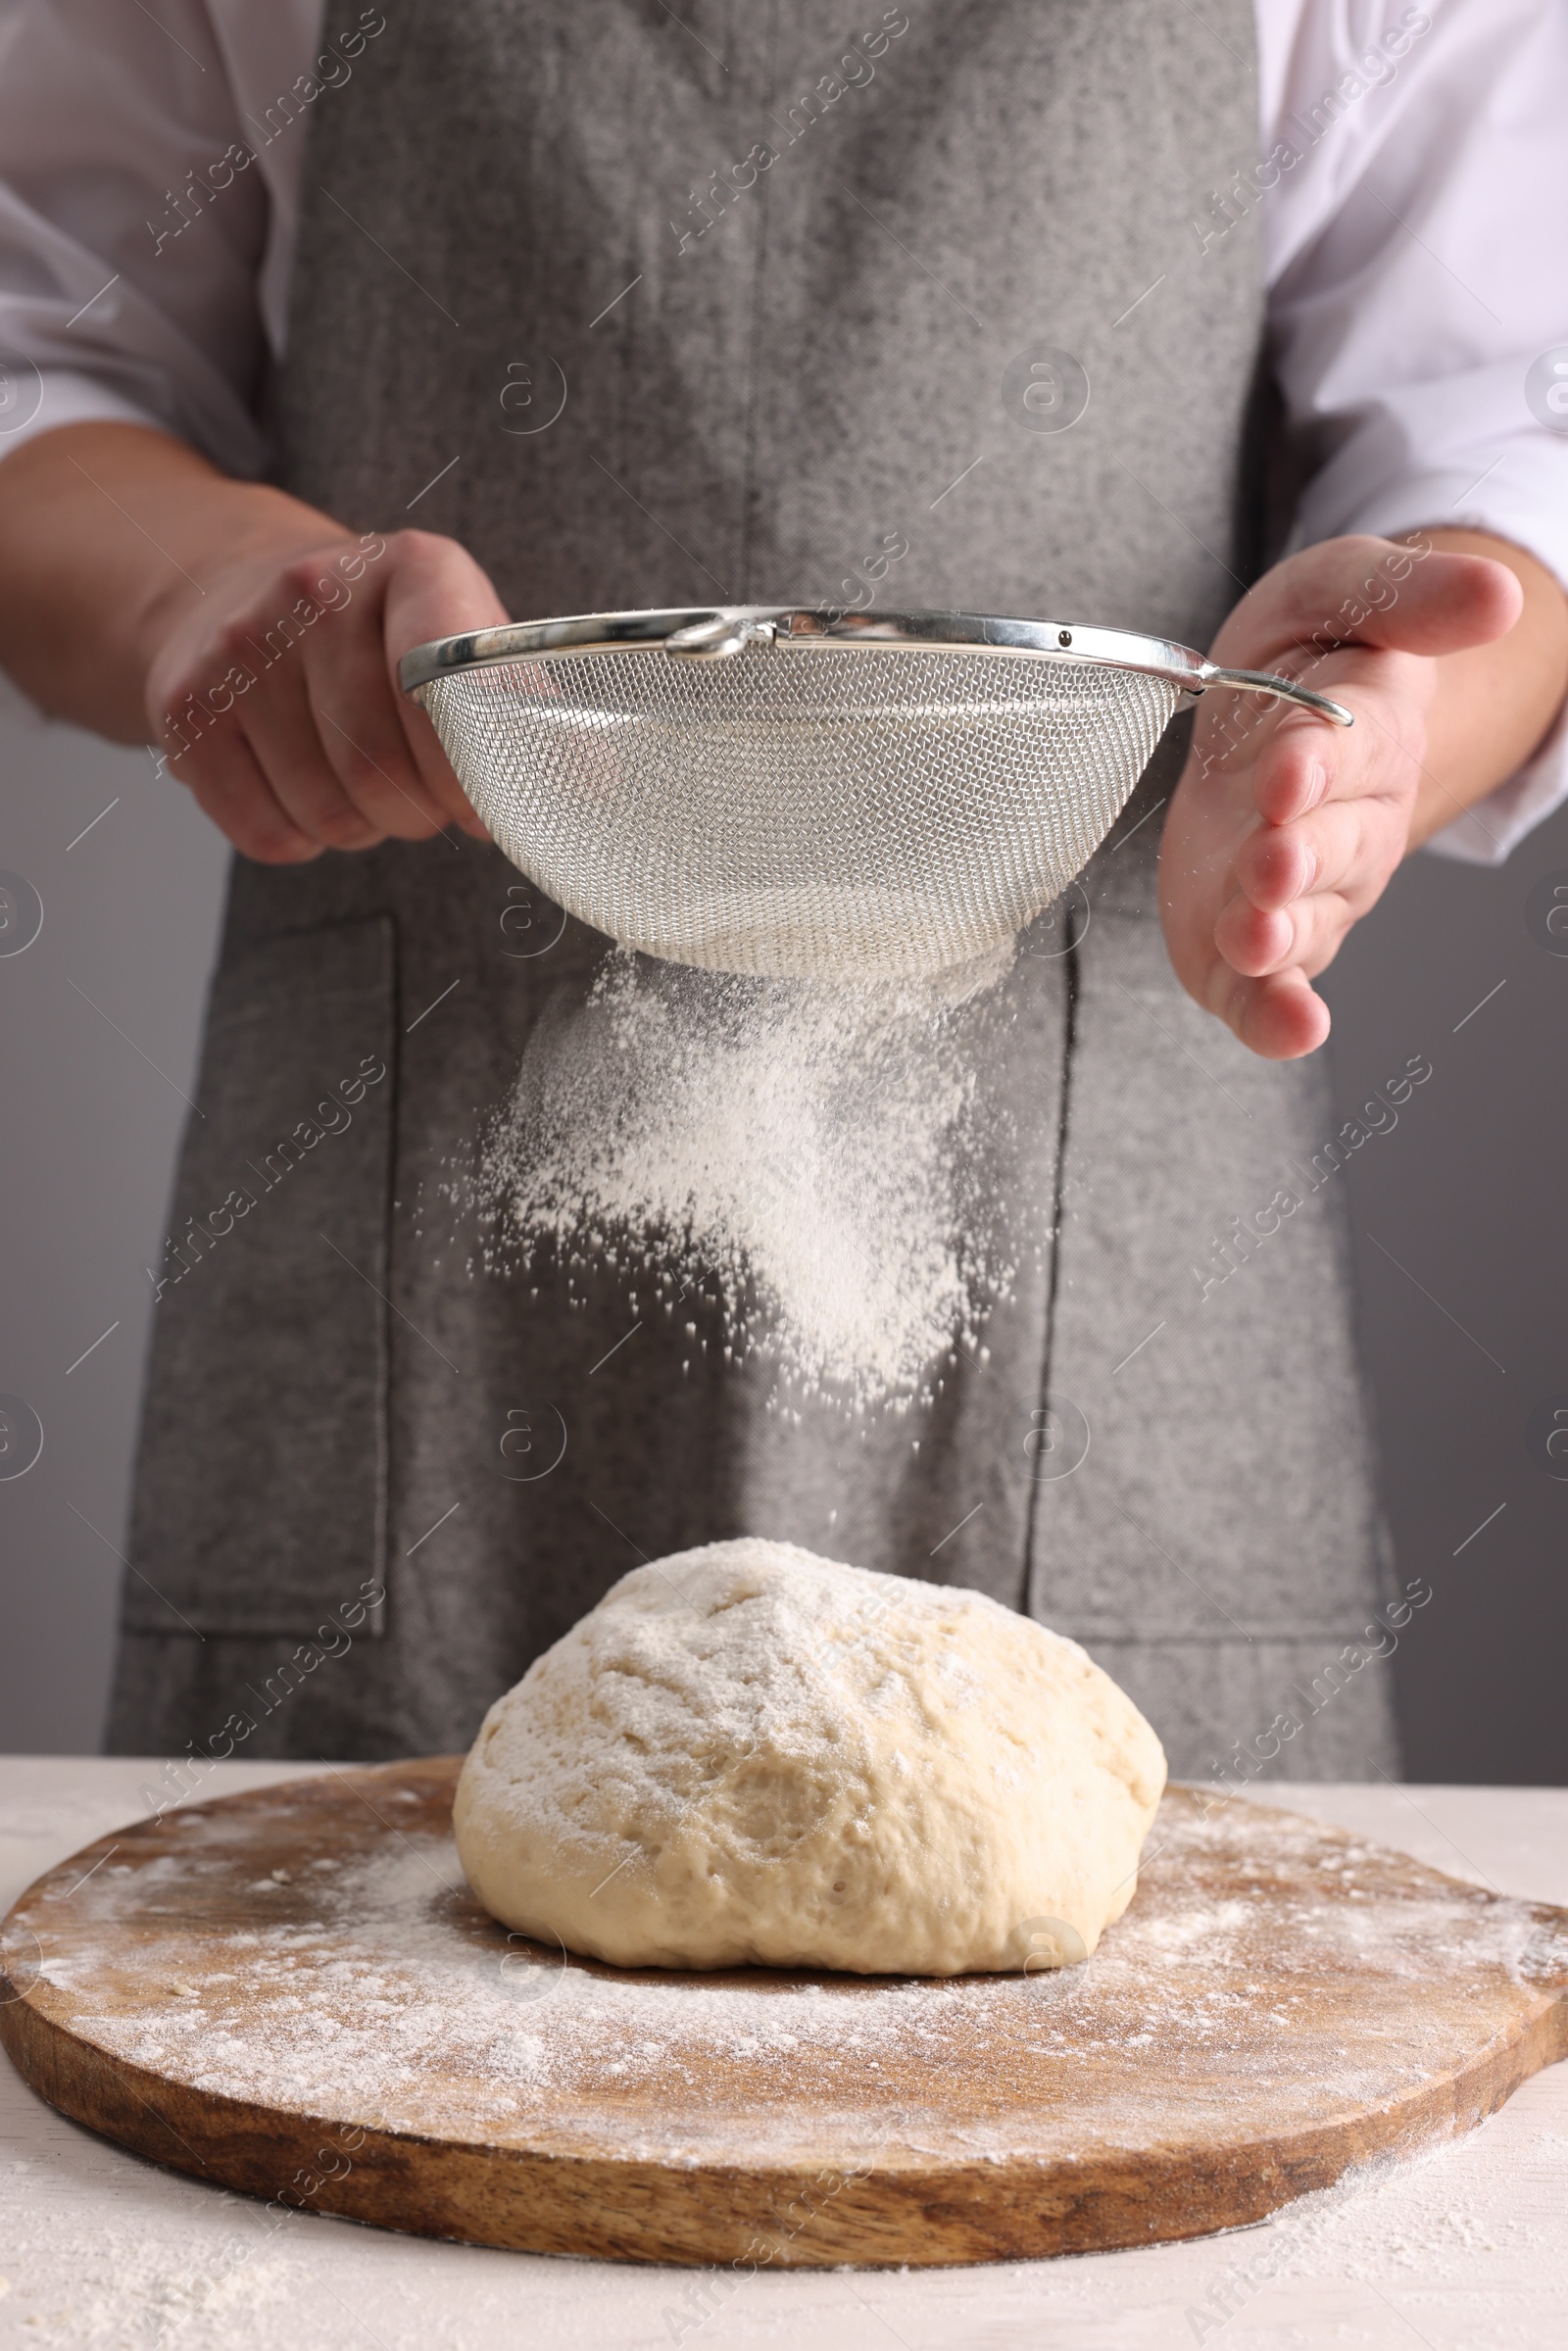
{"x":1411,"y":245}
{"x":147,"y":213}
{"x":1414,"y":252}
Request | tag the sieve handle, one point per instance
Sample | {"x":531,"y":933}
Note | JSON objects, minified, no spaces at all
{"x":1260,"y":681}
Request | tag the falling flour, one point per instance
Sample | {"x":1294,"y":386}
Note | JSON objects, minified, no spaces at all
{"x":810,"y":1155}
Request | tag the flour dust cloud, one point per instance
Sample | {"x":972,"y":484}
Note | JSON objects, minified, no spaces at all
{"x":812,"y":1156}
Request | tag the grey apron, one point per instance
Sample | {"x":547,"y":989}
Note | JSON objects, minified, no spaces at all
{"x":720,"y":308}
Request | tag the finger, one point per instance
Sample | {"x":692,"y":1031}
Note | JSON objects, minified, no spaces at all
{"x":1280,"y":1018}
{"x":1280,"y":866}
{"x":1299,"y":767}
{"x":280,"y":728}
{"x":1305,"y":761}
{"x":1283,"y":1017}
{"x":1293,"y":757}
{"x":1309,"y":932}
{"x":1304,"y":937}
{"x":423,"y":746}
{"x":1254,"y":940}
{"x":1345,"y":867}
{"x":434,"y":588}
{"x":227,"y":784}
{"x":360,"y":732}
{"x":1345,"y":844}
{"x":331,"y":644}
{"x":1275,"y":864}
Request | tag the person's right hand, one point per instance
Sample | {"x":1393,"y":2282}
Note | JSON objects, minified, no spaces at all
{"x":272,"y":690}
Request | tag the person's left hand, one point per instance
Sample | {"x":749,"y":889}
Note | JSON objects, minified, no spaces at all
{"x":1285,"y":828}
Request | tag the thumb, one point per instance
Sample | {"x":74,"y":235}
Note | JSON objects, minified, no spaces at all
{"x":433,"y":588}
{"x":1405,"y":599}
{"x":1375,"y":592}
{"x":1447,"y":604}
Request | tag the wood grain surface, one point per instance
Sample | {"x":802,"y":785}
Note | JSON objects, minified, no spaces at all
{"x":292,"y":1993}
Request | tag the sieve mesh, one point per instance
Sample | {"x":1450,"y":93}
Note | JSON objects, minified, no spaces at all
{"x":825,"y":812}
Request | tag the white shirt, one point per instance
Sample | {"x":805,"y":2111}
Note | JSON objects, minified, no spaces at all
{"x":1411,"y":171}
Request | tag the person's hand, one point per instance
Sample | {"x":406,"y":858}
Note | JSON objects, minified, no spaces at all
{"x":272,"y":690}
{"x":1285,"y":828}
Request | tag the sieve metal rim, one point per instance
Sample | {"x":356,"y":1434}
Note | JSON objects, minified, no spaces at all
{"x":718,"y":632}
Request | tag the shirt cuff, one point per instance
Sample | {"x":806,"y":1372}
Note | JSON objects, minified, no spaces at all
{"x":67,"y":398}
{"x":1523,"y":498}
{"x":1487,"y":833}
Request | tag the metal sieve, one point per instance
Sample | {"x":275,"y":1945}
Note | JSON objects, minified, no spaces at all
{"x":808,"y":792}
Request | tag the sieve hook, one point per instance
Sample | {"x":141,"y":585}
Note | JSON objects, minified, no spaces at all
{"x":1262,"y":681}
{"x":717,"y":638}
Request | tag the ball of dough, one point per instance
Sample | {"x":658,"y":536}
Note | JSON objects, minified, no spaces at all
{"x":745,"y":1754}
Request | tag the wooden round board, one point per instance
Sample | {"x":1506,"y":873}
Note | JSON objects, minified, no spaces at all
{"x":292,"y":1991}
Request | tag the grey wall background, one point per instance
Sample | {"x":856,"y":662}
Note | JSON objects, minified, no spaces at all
{"x":1460,"y":1235}
{"x":99,"y":1026}
{"x":1457,"y":1212}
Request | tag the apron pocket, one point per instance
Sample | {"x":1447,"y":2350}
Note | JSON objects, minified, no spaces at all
{"x":261,"y":1489}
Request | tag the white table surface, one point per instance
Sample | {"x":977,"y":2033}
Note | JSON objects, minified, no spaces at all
{"x":1467,"y":2247}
